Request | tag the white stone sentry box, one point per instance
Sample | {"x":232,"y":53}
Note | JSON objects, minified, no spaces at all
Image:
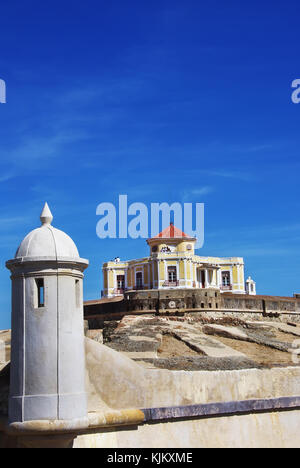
{"x":48,"y":359}
{"x":250,"y":286}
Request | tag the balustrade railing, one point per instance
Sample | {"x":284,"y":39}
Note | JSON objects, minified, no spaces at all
{"x":171,"y":283}
{"x":119,"y":290}
{"x":227,"y":287}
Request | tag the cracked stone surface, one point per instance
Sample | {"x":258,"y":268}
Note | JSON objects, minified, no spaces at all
{"x":140,"y":338}
{"x":262,"y":335}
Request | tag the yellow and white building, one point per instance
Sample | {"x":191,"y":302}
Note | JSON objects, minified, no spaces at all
{"x":172,"y":263}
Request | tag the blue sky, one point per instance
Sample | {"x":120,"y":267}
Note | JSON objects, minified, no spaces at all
{"x":163,"y":101}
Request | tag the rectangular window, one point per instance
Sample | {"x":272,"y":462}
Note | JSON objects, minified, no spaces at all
{"x":172,"y":274}
{"x":226,"y":278}
{"x":77,"y":293}
{"x":139,"y":280}
{"x":121,"y":281}
{"x":40,"y":292}
{"x":202,"y":278}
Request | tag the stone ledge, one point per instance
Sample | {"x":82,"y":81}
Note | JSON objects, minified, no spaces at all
{"x":84,"y":425}
{"x":135,"y":417}
{"x":222,"y":409}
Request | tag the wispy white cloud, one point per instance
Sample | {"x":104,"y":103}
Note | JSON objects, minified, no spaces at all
{"x":259,"y":230}
{"x":250,"y":148}
{"x":263,"y":251}
{"x":7,"y":176}
{"x":191,"y":194}
{"x":202,"y":190}
{"x":229,"y":174}
{"x":11,"y":222}
{"x":78,"y":114}
{"x":42,"y":148}
{"x":259,"y":240}
{"x":9,"y":244}
{"x":9,"y":227}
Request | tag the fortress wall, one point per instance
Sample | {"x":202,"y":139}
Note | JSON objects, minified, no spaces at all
{"x":204,"y":301}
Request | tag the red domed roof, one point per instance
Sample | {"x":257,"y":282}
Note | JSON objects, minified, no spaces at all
{"x":172,"y":232}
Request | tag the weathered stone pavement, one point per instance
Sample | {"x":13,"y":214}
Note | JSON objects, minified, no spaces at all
{"x":140,"y":337}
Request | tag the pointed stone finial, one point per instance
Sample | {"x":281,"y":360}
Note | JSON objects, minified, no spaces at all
{"x":46,"y":215}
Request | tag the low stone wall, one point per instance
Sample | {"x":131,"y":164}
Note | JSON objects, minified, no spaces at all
{"x":121,"y":383}
{"x":181,"y":409}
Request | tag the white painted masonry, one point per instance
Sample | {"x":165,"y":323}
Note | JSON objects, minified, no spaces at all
{"x":48,"y":361}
